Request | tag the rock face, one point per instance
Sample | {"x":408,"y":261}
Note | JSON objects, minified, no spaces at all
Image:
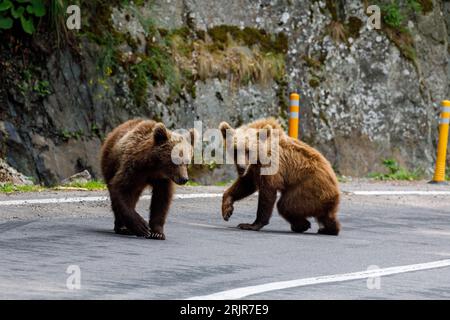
{"x":11,"y":175}
{"x":366,"y":94}
{"x":80,"y":177}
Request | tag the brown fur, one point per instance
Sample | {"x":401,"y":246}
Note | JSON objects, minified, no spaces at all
{"x":308,"y":185}
{"x":135,"y":155}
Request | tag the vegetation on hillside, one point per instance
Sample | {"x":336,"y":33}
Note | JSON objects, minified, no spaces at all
{"x":396,"y":172}
{"x":176,"y":58}
{"x":93,"y":185}
{"x":395,"y":17}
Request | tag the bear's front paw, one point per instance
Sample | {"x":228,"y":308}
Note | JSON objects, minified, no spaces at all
{"x":250,"y":226}
{"x":141,"y":229}
{"x":227,"y":209}
{"x":227,"y":212}
{"x":156,"y":236}
{"x":123,"y":231}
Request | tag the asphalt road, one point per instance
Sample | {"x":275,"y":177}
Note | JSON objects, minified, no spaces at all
{"x":204,"y":255}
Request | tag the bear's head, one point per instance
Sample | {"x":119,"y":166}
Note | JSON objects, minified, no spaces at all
{"x":173,"y":151}
{"x":251,"y":146}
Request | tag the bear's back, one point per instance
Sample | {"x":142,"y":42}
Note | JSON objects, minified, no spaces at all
{"x":263,"y":123}
{"x":111,"y":154}
{"x":302,"y":160}
{"x":136,"y":137}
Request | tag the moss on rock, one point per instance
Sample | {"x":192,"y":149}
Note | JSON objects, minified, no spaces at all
{"x":180,"y":57}
{"x":354,"y":26}
{"x":249,"y":37}
{"x":427,"y":6}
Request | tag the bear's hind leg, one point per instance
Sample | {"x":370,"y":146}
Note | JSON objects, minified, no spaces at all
{"x":289,"y":208}
{"x":300,"y":225}
{"x":328,"y":225}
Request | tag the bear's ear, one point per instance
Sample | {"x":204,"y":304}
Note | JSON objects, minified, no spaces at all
{"x":193,"y":135}
{"x":267,"y":132}
{"x":160,"y":134}
{"x":223,"y":127}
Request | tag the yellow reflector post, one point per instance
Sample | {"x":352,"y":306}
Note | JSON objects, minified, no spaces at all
{"x":294,"y":111}
{"x":444,"y":119}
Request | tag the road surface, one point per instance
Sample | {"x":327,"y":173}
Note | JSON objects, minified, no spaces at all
{"x":399,"y":231}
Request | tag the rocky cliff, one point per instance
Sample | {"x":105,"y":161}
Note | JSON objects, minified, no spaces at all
{"x":366,"y":94}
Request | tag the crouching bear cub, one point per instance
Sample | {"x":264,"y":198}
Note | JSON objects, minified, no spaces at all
{"x":305,"y":179}
{"x":137,"y":154}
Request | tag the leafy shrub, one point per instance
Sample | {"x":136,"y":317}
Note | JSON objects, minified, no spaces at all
{"x":42,"y":88}
{"x":415,"y":6}
{"x":396,"y":172}
{"x":24,"y":11}
{"x":395,"y":12}
{"x":393,"y":15}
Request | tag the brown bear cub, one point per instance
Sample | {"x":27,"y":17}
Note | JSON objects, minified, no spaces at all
{"x":137,"y":154}
{"x":305,"y":179}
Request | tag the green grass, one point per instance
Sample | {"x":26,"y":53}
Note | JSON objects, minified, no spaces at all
{"x":342,"y":179}
{"x":10,"y":188}
{"x":90,"y":185}
{"x":192,"y":184}
{"x":57,"y":10}
{"x":396,"y":172}
{"x":139,"y":83}
{"x":223,"y":183}
{"x":94,"y":185}
{"x":107,"y":61}
{"x":217,"y":184}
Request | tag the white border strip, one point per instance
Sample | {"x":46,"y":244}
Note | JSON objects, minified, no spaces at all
{"x":207,"y":195}
{"x":97,"y":199}
{"x":52,"y":200}
{"x":401,"y":193}
{"x":197,"y":195}
{"x":272,"y":286}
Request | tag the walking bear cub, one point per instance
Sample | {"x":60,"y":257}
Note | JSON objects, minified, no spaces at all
{"x":305,"y":179}
{"x":137,"y":154}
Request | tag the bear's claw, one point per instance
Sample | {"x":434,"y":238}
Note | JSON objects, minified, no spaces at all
{"x":156,"y":236}
{"x":227,"y":208}
{"x":250,"y":226}
{"x":139,"y":228}
{"x":227,"y":215}
{"x":123,"y":231}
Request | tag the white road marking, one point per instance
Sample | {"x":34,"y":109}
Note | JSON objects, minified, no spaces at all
{"x":272,"y":286}
{"x":98,"y":199}
{"x":52,"y":200}
{"x":203,"y":225}
{"x":198,"y":195}
{"x":401,"y":193}
{"x":207,"y":195}
{"x":434,"y":232}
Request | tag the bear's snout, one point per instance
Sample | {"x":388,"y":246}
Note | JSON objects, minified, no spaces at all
{"x":181,"y":180}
